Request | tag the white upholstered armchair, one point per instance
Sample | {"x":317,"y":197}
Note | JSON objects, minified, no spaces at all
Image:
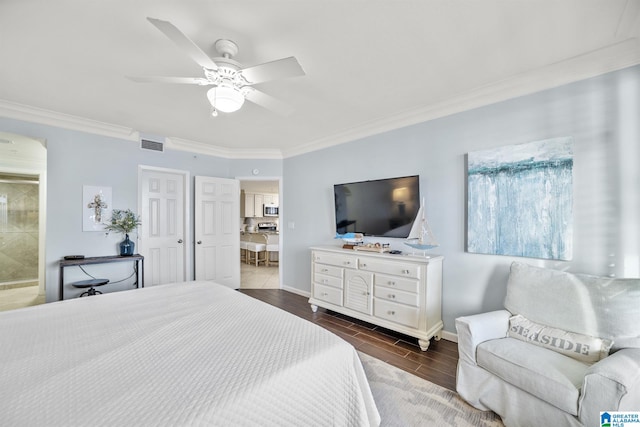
{"x":566,"y":347}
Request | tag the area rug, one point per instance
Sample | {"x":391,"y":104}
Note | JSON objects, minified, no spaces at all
{"x":404,"y":399}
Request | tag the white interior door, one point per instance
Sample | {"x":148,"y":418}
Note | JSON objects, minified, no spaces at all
{"x":217,"y":230}
{"x":162,"y":235}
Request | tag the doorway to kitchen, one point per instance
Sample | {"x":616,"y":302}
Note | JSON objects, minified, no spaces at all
{"x":260,"y":240}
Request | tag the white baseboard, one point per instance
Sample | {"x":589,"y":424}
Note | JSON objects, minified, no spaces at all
{"x":449,"y":336}
{"x":296,"y":291}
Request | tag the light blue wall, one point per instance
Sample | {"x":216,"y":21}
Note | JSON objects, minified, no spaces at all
{"x":76,"y":158}
{"x":595,"y":113}
{"x":600,"y":114}
{"x":245,"y":167}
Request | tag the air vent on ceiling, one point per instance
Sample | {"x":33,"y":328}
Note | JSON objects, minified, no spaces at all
{"x":151,"y":145}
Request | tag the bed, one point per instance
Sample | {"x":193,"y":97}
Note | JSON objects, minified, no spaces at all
{"x":192,"y":353}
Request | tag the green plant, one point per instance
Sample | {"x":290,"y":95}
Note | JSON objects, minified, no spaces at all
{"x":123,"y":221}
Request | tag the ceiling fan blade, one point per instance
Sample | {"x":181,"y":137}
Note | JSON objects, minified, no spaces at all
{"x":160,"y":79}
{"x":184,"y":43}
{"x":279,"y":69}
{"x":267,"y":101}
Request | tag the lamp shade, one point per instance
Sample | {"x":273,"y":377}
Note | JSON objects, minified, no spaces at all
{"x":400,"y":194}
{"x":225,"y":99}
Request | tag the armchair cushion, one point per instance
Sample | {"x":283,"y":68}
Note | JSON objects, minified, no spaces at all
{"x":546,"y":374}
{"x":577,"y":346}
{"x":596,"y":306}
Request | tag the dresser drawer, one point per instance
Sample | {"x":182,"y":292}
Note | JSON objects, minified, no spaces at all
{"x":328,"y":294}
{"x":328,"y":270}
{"x":395,"y":282}
{"x":335,"y":259}
{"x":398,"y":313}
{"x":394,"y":295}
{"x":396,"y":268}
{"x":323,"y":279}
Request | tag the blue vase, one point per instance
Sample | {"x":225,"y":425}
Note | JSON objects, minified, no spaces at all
{"x":127,"y":246}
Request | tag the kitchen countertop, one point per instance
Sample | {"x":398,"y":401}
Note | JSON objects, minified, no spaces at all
{"x":271,"y":237}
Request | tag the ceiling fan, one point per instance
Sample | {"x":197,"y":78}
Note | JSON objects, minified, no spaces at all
{"x":231,"y":83}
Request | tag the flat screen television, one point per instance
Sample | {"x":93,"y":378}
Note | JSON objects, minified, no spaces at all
{"x":383,"y":207}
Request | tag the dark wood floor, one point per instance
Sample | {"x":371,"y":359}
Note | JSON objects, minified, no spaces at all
{"x":438,"y":364}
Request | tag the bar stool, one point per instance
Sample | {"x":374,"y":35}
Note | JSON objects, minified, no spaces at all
{"x":271,"y":249}
{"x":83,"y":284}
{"x":243,"y":251}
{"x":253,"y":253}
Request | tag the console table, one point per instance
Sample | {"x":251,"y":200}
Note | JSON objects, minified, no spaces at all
{"x":138,"y":267}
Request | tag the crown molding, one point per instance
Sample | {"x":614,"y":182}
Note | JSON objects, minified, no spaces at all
{"x":229,"y":153}
{"x":614,"y":57}
{"x":28,"y":113}
{"x":66,"y":121}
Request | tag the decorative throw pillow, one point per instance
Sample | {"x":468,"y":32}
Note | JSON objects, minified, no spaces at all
{"x":580,"y":347}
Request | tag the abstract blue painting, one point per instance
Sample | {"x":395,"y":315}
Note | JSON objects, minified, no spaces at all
{"x":520,"y":200}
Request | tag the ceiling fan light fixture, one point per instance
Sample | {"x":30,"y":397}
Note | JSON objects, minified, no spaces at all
{"x":225,"y":99}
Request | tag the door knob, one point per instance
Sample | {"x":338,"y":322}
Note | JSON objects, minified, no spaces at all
{"x":180,"y":241}
{"x":199,"y":242}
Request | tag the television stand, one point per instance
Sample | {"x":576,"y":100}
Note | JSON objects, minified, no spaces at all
{"x":398,"y":292}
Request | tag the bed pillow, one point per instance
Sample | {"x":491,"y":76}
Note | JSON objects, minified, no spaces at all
{"x":577,"y":346}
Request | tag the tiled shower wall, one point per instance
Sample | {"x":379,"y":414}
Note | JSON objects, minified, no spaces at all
{"x":18,"y":231}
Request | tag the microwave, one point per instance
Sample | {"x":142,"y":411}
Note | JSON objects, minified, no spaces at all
{"x":270,"y":210}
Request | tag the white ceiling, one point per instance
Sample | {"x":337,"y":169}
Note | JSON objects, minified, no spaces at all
{"x":370,"y":65}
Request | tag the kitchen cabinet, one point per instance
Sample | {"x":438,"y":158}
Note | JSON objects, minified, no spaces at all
{"x":251,"y":204}
{"x":271,"y":199}
{"x":247,"y":205}
{"x":258,"y":202}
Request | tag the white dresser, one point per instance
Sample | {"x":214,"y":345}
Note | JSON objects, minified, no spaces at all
{"x":398,"y":292}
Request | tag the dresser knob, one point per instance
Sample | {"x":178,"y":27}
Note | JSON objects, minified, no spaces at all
{"x":392,"y":283}
{"x":392,"y":313}
{"x":363,"y":265}
{"x":392,"y":296}
{"x":405,"y":271}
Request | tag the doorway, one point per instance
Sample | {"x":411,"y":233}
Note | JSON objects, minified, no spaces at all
{"x":164,"y":203}
{"x":217,"y":233}
{"x":22,"y":221}
{"x":255,"y":227}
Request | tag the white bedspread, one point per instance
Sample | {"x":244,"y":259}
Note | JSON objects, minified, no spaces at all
{"x":185,"y":354}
